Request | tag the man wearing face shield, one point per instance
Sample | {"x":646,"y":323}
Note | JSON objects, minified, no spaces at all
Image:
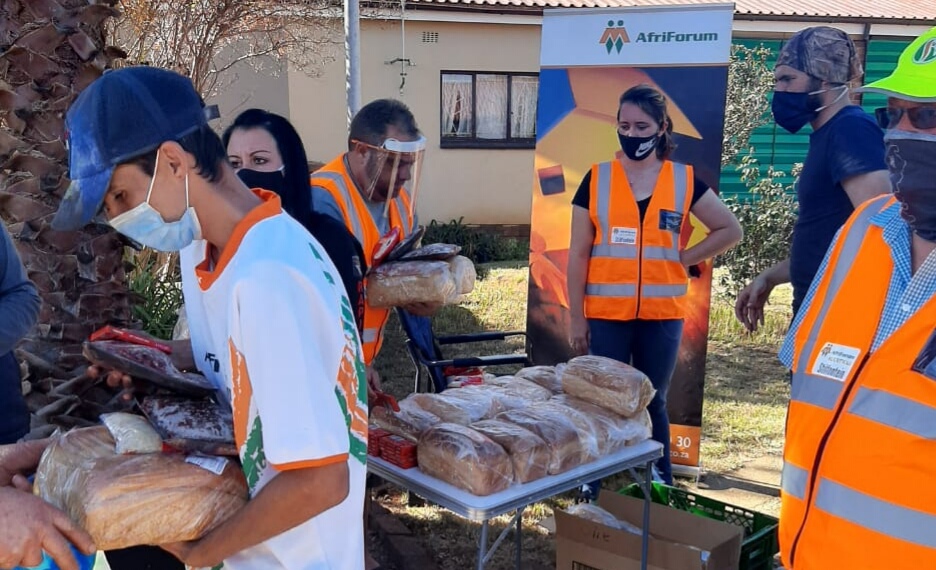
{"x":372,"y":189}
{"x":270,"y":323}
{"x":844,"y":165}
{"x":858,"y":478}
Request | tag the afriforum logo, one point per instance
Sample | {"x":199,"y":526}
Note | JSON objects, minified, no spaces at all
{"x":615,"y":36}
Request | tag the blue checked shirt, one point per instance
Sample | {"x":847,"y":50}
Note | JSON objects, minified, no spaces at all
{"x":905,"y":294}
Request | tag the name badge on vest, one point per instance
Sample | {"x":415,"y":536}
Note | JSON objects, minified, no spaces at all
{"x":835,"y":361}
{"x":624,"y":236}
{"x":925,"y":362}
{"x":670,"y":220}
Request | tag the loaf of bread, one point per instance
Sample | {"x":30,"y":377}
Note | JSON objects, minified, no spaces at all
{"x":463,"y":271}
{"x":130,"y":500}
{"x":557,"y":431}
{"x":401,"y":283}
{"x":410,"y":422}
{"x":464,"y":458}
{"x":585,"y":429}
{"x":640,"y":426}
{"x":448,"y":409}
{"x":528,"y":452}
{"x":523,"y":388}
{"x":544,"y":376}
{"x":478,"y":401}
{"x":613,"y":432}
{"x":608,"y":383}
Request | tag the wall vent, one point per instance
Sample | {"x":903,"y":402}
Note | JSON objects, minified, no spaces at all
{"x":430,"y":37}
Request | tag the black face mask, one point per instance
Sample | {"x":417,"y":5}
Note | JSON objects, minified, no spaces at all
{"x":910,"y":160}
{"x":273,"y":181}
{"x":638,"y":148}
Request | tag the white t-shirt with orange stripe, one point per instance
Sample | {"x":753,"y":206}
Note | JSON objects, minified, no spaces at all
{"x":271,"y":325}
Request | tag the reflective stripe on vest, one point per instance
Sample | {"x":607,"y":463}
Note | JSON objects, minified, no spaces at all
{"x":895,"y":411}
{"x":880,"y":516}
{"x":370,"y":335}
{"x":806,"y":387}
{"x":357,"y":226}
{"x":793,"y":480}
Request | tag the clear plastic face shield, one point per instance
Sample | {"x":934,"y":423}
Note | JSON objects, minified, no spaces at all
{"x":392,"y":166}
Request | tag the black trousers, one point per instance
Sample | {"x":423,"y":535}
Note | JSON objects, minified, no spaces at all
{"x":143,"y":558}
{"x":14,"y":416}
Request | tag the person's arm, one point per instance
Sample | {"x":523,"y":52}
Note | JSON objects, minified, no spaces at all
{"x":855,"y":159}
{"x":19,"y":300}
{"x":583,"y":237}
{"x":749,"y":306}
{"x":863,"y":187}
{"x":724,"y":230}
{"x":294,"y":355}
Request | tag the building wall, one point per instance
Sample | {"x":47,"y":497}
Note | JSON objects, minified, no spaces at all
{"x":489,"y":186}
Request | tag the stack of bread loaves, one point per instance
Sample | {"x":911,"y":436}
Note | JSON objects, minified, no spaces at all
{"x":516,"y":429}
{"x":434,"y":274}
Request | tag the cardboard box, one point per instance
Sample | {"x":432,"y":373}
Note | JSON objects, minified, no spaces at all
{"x":584,"y":545}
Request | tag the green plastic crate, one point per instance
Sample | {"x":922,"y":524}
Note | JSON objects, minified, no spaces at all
{"x":760,"y":531}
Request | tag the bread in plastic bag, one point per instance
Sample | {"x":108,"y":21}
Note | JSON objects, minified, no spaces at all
{"x":129,"y":500}
{"x":401,"y":283}
{"x":544,"y":376}
{"x":480,"y":399}
{"x":459,"y":405}
{"x":614,"y":432}
{"x":559,"y":433}
{"x":446,"y":409}
{"x":521,"y":387}
{"x":608,"y":383}
{"x":596,"y":514}
{"x":132,"y":434}
{"x":584,"y":427}
{"x":463,"y":271}
{"x":410,"y":422}
{"x":464,"y":458}
{"x":528,"y":453}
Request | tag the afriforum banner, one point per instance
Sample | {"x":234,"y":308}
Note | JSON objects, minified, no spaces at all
{"x":588,"y":59}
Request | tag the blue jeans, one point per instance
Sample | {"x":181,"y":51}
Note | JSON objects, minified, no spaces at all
{"x":652,"y":348}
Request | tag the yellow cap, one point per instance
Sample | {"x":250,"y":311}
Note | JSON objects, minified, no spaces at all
{"x":914,"y":79}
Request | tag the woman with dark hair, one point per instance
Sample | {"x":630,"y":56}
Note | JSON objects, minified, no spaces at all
{"x":628,"y":274}
{"x":267,"y":152}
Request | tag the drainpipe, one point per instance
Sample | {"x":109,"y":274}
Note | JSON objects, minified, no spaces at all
{"x":866,"y":38}
{"x":352,"y":24}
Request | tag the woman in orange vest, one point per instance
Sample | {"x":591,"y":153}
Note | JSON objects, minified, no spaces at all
{"x":628,"y":273}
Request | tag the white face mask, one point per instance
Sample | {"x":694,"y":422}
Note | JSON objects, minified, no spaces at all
{"x":147,"y":226}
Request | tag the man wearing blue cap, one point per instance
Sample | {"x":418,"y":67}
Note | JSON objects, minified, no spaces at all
{"x":269,"y":320}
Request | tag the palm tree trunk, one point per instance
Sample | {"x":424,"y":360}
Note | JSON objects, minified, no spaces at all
{"x":49,"y":51}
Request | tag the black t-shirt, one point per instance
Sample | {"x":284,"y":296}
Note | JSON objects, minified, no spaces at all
{"x":849,"y":144}
{"x":346,"y":253}
{"x":582,"y":196}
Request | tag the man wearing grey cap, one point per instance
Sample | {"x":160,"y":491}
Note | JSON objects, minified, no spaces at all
{"x":844,"y":166}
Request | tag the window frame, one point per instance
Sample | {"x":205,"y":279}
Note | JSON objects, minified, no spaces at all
{"x":473,"y":142}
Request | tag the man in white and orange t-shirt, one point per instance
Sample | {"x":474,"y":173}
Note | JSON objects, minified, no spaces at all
{"x":270,"y":323}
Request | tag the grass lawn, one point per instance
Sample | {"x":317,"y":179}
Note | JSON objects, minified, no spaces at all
{"x":746,"y":393}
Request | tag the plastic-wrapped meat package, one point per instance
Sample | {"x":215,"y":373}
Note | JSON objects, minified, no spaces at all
{"x":464,"y":274}
{"x":192,"y":426}
{"x":585,"y":429}
{"x":528,"y":452}
{"x":402,"y":283}
{"x":596,"y":514}
{"x":614,"y":432}
{"x":146,"y":363}
{"x":544,"y":376}
{"x":464,"y":458}
{"x":129,"y":500}
{"x":558,"y":431}
{"x":132,"y":434}
{"x":521,"y":387}
{"x":608,"y":383}
{"x":410,"y":422}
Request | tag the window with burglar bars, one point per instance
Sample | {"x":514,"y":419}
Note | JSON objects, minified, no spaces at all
{"x":488,"y":109}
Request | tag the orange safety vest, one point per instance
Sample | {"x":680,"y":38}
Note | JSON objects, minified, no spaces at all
{"x":634,"y":269}
{"x":858,"y":478}
{"x":335,"y":178}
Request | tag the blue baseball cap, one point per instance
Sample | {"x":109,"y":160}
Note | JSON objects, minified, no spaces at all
{"x":122,"y":115}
